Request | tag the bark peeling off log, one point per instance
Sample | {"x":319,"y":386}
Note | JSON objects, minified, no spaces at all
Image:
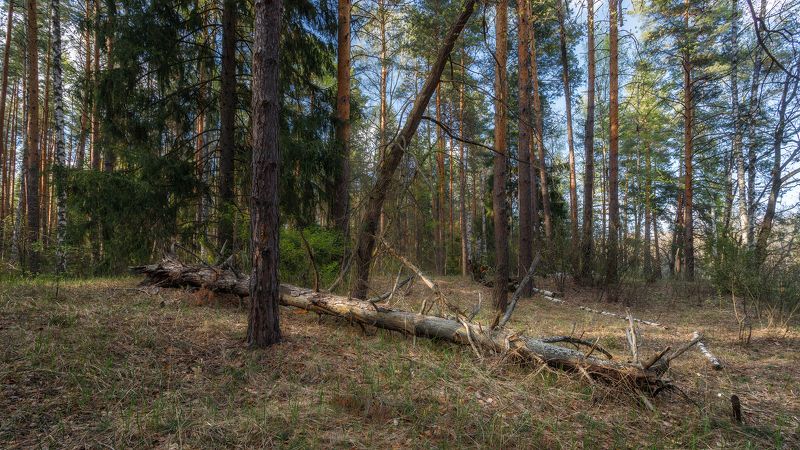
{"x":173,"y":273}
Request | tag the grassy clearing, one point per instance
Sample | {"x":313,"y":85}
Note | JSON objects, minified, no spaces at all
{"x":105,"y":364}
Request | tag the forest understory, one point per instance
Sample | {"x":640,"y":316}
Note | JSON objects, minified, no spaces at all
{"x":105,"y":363}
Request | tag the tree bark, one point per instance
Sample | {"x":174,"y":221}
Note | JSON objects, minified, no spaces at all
{"x":524,"y":143}
{"x":171,"y":273}
{"x":462,"y":177}
{"x":500,"y":163}
{"x":573,"y":186}
{"x":263,"y":327}
{"x":753,"y":144}
{"x":227,"y":118}
{"x":61,"y":159}
{"x":441,"y":258}
{"x":736,"y":146}
{"x":788,"y":94}
{"x":32,"y":137}
{"x":394,"y":153}
{"x":95,"y":143}
{"x":340,"y":206}
{"x":539,"y":140}
{"x":688,"y":136}
{"x":612,"y":275}
{"x":87,"y":89}
{"x":3,"y":93}
{"x":588,"y":148}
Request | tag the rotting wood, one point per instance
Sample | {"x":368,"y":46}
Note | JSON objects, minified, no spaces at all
{"x":715,"y":362}
{"x":172,"y":273}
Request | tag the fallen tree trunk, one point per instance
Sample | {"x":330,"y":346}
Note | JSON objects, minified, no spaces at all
{"x":172,"y":273}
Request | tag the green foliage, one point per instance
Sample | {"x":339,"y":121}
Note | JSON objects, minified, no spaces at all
{"x":327,"y":246}
{"x":774,"y":287}
{"x":128,"y":214}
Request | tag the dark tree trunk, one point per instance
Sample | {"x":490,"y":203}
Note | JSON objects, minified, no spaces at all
{"x":227,"y":117}
{"x":612,"y":275}
{"x":87,"y":89}
{"x":394,"y":152}
{"x":32,"y":137}
{"x":263,"y":327}
{"x":340,"y":205}
{"x":499,"y":201}
{"x":688,"y":136}
{"x":3,"y":92}
{"x":539,"y":141}
{"x":524,"y":143}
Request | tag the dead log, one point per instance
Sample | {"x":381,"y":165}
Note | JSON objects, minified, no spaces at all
{"x":715,"y":362}
{"x":173,"y":273}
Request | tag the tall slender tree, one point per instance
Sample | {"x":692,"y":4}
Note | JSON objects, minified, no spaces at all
{"x":573,"y":184}
{"x":263,"y":327}
{"x":524,"y":141}
{"x":227,"y":118}
{"x":3,"y":93}
{"x":500,"y":164}
{"x":32,"y":136}
{"x":340,"y":205}
{"x":588,"y":145}
{"x":538,"y":118}
{"x":61,"y":159}
{"x":688,"y":146}
{"x":612,"y":262}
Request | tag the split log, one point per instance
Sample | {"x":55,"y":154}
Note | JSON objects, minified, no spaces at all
{"x":173,"y":273}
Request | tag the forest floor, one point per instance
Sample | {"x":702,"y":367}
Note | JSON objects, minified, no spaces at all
{"x":104,"y":364}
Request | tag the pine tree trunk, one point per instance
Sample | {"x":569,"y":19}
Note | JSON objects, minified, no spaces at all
{"x":539,"y":140}
{"x":3,"y":93}
{"x":95,"y":143}
{"x":394,"y":153}
{"x":263,"y":327}
{"x":500,"y":164}
{"x":612,"y":275}
{"x":340,"y":205}
{"x":462,"y":177}
{"x":87,"y":89}
{"x":573,"y":184}
{"x":688,"y":136}
{"x":227,"y":118}
{"x":524,"y":143}
{"x":440,"y":216}
{"x":32,"y":137}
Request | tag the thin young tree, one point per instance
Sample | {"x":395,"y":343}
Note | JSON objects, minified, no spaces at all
{"x":588,"y":145}
{"x":500,"y":163}
{"x":263,"y":327}
{"x":573,"y":185}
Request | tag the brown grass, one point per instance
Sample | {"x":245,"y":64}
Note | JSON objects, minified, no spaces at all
{"x":107,"y":365}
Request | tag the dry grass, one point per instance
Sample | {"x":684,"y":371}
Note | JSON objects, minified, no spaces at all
{"x":106,"y":365}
